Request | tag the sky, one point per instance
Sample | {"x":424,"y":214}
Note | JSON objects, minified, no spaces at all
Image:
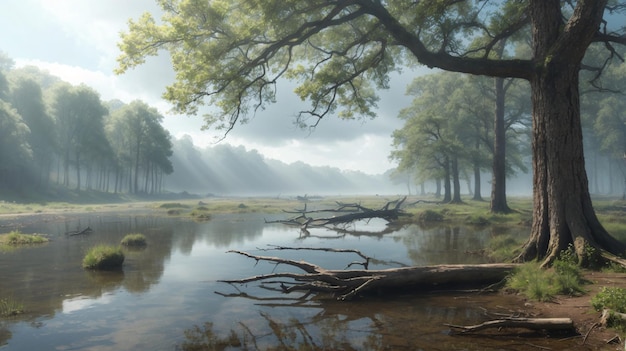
{"x":77,"y":41}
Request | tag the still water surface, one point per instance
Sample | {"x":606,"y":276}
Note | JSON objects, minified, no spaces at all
{"x":165,"y":298}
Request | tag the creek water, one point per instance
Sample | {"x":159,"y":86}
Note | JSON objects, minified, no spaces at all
{"x":167,"y":296}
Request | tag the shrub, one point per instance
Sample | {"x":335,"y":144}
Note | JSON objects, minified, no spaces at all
{"x":135,"y":240}
{"x":613,"y":300}
{"x":610,"y":298}
{"x":104,"y":257}
{"x":430,"y":216}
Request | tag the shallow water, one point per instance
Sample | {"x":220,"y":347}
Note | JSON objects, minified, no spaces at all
{"x":165,"y":297}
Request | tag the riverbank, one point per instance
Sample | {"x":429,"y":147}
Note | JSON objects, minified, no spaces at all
{"x":578,"y":308}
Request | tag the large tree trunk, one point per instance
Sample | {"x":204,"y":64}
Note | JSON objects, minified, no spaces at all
{"x":456,"y":193}
{"x":563,"y":214}
{"x":477,"y":178}
{"x":447,"y":192}
{"x":498,"y":181}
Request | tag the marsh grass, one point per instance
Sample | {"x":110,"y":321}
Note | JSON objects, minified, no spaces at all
{"x":10,"y":307}
{"x":170,"y":205}
{"x":503,"y":248}
{"x":201,"y":213}
{"x":134,"y":240}
{"x":16,"y":238}
{"x":541,"y":284}
{"x":103,"y":257}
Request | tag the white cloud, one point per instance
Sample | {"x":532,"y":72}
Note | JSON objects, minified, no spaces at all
{"x":82,"y":48}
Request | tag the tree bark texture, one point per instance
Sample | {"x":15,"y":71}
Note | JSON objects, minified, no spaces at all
{"x":498,"y":180}
{"x":563,"y":214}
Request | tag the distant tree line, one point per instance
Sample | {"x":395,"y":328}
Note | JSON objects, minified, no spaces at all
{"x":56,"y":135}
{"x":449,"y":130}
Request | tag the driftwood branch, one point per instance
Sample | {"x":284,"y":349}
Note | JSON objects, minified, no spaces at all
{"x":87,"y":230}
{"x":348,"y":283}
{"x":345,"y":213}
{"x":551,"y":324}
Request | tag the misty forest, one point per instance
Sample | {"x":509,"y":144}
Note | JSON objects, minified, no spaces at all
{"x":523,"y":103}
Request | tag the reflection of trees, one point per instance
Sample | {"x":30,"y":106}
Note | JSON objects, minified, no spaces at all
{"x":404,"y":323}
{"x":5,"y":336}
{"x":228,"y":231}
{"x":44,"y":276}
{"x":445,"y":244}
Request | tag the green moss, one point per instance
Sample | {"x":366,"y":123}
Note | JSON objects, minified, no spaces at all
{"x":135,"y":240}
{"x":103,"y":257}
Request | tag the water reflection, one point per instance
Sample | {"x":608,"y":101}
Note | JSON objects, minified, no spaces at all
{"x":164,"y":297}
{"x":401,"y":323}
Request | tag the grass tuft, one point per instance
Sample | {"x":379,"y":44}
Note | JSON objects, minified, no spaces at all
{"x":503,"y":248}
{"x":103,"y":257}
{"x":16,"y":238}
{"x":430,"y":216}
{"x":134,"y":240}
{"x":10,"y":307}
{"x":541,"y":284}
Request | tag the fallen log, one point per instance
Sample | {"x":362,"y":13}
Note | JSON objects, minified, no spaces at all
{"x":347,"y":213}
{"x":346,"y":284}
{"x":549,"y":324}
{"x":87,"y":230}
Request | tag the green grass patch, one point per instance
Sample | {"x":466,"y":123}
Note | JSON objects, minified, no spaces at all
{"x":430,"y":216}
{"x":201,"y":213}
{"x":503,"y":248}
{"x":541,"y":284}
{"x":169,"y":205}
{"x":15,"y":238}
{"x":104,"y":257}
{"x":10,"y":307}
{"x":477,"y":220}
{"x":134,"y":240}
